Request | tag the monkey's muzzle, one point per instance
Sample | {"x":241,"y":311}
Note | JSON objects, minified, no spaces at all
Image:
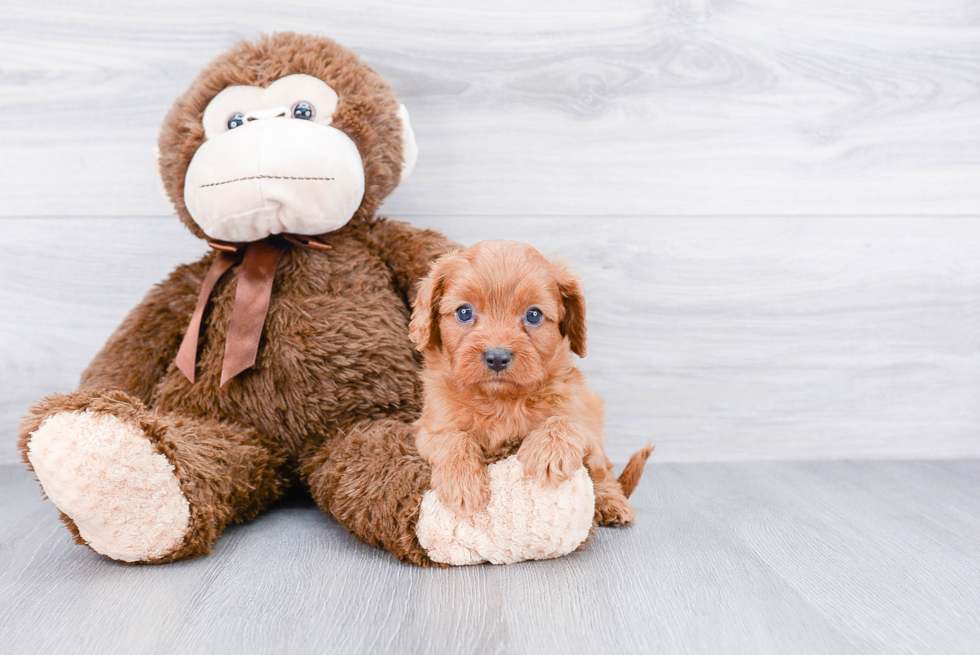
{"x":274,"y":176}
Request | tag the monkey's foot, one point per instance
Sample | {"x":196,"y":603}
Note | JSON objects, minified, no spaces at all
{"x":523,"y":520}
{"x":104,"y":474}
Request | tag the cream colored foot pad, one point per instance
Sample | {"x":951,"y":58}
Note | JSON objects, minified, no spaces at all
{"x":522,"y":521}
{"x":118,"y":490}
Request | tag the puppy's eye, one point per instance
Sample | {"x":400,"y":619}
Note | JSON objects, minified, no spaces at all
{"x":534,"y":316}
{"x":303,"y":110}
{"x":464,"y":314}
{"x":235,"y":120}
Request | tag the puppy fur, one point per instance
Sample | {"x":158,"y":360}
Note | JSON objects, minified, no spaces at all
{"x":539,"y":403}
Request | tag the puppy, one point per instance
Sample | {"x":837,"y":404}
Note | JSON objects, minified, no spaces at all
{"x":496,"y":324}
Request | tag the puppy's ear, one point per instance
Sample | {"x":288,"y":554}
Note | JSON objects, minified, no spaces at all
{"x":424,"y":328}
{"x":572,"y":324}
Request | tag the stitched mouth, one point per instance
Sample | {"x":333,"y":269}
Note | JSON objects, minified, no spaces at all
{"x":268,"y":177}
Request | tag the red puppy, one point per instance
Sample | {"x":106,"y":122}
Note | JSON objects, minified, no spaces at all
{"x":496,"y":324}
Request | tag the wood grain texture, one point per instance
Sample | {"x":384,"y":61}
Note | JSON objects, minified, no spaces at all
{"x":555,"y":107}
{"x":773,"y":204}
{"x":818,"y":557}
{"x":713,"y":337}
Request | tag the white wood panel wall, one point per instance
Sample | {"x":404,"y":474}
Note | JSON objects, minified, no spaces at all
{"x":775,"y":205}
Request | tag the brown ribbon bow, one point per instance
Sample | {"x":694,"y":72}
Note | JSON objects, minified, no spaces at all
{"x":252,"y":297}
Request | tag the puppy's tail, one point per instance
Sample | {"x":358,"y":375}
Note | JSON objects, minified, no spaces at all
{"x":630,"y":476}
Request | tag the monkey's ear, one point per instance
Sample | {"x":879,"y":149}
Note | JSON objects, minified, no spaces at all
{"x":424,"y":327}
{"x":410,"y":149}
{"x":572,"y":324}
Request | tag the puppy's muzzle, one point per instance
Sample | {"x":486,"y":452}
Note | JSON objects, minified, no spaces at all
{"x":497,"y":359}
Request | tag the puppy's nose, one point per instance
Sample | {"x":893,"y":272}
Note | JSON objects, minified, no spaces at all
{"x":497,"y":358}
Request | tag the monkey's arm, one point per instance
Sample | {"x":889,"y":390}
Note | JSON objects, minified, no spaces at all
{"x":408,"y":251}
{"x":142,"y":348}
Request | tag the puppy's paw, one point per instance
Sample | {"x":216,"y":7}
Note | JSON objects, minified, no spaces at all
{"x":548,"y":456}
{"x":462,"y":490}
{"x":613,"y":510}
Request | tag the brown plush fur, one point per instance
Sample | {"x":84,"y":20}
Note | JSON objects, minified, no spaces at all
{"x":336,"y":378}
{"x":540,"y":400}
{"x":227,"y":474}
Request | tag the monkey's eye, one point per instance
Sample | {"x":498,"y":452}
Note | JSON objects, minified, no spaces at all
{"x":533,"y":316}
{"x":464,"y":314}
{"x":303,"y":110}
{"x":235,"y":120}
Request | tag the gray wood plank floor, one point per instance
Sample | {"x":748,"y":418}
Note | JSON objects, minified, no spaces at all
{"x":816,"y":557}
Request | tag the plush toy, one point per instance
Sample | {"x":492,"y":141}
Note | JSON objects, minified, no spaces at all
{"x":282,"y":355}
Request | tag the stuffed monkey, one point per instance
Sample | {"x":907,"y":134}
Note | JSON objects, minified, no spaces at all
{"x":283,"y":355}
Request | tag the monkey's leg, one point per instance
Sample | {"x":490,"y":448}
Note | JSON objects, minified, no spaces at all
{"x":371,"y":479}
{"x":140,"y":486}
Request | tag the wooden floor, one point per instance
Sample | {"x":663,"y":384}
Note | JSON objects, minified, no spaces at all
{"x":815,"y":557}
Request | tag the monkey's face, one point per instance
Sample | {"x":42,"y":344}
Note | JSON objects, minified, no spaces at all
{"x":286,"y":151}
{"x":272,"y":163}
